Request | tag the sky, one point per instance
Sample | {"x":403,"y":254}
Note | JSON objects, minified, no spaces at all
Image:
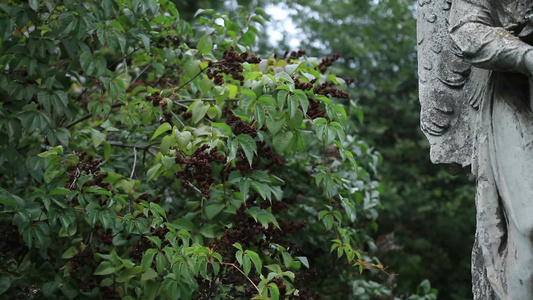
{"x":281,"y":23}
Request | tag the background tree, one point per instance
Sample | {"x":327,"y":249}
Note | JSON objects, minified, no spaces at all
{"x":429,"y":215}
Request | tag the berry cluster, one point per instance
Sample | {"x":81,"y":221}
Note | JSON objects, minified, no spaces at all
{"x":156,"y":100}
{"x":198,"y":168}
{"x":349,"y":80}
{"x":145,"y":198}
{"x":303,"y":85}
{"x":161,"y":233}
{"x":327,"y":62}
{"x":293,"y":54}
{"x":139,"y":248}
{"x":239,"y":127}
{"x":314,"y":110}
{"x":241,"y":163}
{"x":107,"y":292}
{"x":325,"y":90}
{"x":239,"y":287}
{"x":87,"y":165}
{"x":263,"y":151}
{"x":250,"y":235}
{"x":266,"y":152}
{"x":245,"y":231}
{"x":29,"y":291}
{"x":82,"y":259}
{"x":11,"y":241}
{"x":144,"y":243}
{"x":170,"y":41}
{"x":231,"y":64}
{"x":107,"y":236}
{"x":89,"y":284}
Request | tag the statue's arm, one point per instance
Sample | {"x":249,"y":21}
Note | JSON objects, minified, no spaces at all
{"x":483,"y":42}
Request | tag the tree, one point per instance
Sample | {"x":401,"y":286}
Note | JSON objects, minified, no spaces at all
{"x":143,"y":156}
{"x":377,"y":42}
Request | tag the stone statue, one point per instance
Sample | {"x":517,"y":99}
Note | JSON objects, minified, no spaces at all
{"x":476,"y":87}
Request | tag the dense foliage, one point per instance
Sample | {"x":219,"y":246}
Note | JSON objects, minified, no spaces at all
{"x":427,"y":227}
{"x":143,"y":157}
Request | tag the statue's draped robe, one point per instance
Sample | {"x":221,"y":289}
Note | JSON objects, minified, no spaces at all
{"x":503,"y":155}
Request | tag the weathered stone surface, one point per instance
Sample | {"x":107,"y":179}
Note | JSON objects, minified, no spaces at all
{"x":476,"y":74}
{"x":446,"y":117}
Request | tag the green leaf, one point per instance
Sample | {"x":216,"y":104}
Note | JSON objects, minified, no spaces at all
{"x":303,"y":260}
{"x":127,"y":185}
{"x":149,"y":274}
{"x":107,"y":282}
{"x":274,"y":291}
{"x":205,"y":44}
{"x":199,"y":111}
{"x":151,"y":287}
{"x":287,"y":259}
{"x":53,"y":171}
{"x":424,"y":288}
{"x":263,"y":190}
{"x":167,"y":142}
{"x":302,"y":99}
{"x":238,"y":246}
{"x":161,"y":262}
{"x":282,"y":98}
{"x":226,"y":129}
{"x":107,"y":218}
{"x":213,"y":112}
{"x":70,"y":252}
{"x":183,"y":138}
{"x":259,"y":115}
{"x":168,"y":161}
{"x":246,"y":265}
{"x":293,"y":105}
{"x":5,"y":283}
{"x":232,"y":147}
{"x":148,"y":258}
{"x":105,"y":268}
{"x":88,"y":63}
{"x":153,"y":171}
{"x":248,"y":146}
{"x":328,"y":221}
{"x":97,"y":137}
{"x":34,"y":4}
{"x":232,"y":91}
{"x":262,"y":216}
{"x":291,"y":68}
{"x":274,"y":126}
{"x":58,"y":150}
{"x":146,"y":41}
{"x":282,"y":140}
{"x":256,"y":260}
{"x":213,"y":209}
{"x":207,"y":230}
{"x":161,"y":129}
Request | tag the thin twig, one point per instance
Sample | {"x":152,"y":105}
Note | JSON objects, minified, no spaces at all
{"x":203,"y":99}
{"x":180,"y":104}
{"x":196,"y":189}
{"x":177,"y":118}
{"x":134,"y":162}
{"x":249,"y":279}
{"x":123,"y":57}
{"x":140,"y":73}
{"x":87,"y":116}
{"x":144,"y":147}
{"x":190,"y":80}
